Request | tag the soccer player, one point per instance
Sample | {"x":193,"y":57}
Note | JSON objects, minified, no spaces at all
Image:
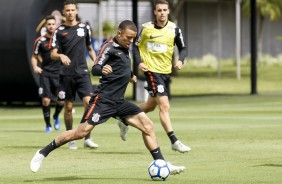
{"x":69,"y":43}
{"x":113,"y":64}
{"x":48,"y":74}
{"x":156,"y":44}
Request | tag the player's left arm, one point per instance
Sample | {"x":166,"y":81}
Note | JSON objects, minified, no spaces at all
{"x":91,"y":52}
{"x":179,"y":41}
{"x":89,"y":46}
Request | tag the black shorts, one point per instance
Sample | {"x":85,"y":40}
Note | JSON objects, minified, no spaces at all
{"x":48,"y":86}
{"x":70,"y":84}
{"x":101,"y":109}
{"x":157,"y":83}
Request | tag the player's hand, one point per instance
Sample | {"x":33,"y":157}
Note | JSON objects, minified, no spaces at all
{"x":133,"y":79}
{"x":107,"y":69}
{"x":178,"y":65}
{"x":143,"y":67}
{"x":65,"y":59}
{"x":37,"y":70}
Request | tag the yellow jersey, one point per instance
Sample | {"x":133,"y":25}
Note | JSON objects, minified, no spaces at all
{"x":156,"y":47}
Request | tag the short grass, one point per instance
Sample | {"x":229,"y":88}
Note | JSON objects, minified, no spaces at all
{"x":234,"y":139}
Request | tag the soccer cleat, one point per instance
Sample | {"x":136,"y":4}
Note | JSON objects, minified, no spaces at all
{"x":57,"y":123}
{"x":123,"y":130}
{"x":72,"y":145}
{"x":88,"y":143}
{"x":36,"y":161}
{"x":179,"y":146}
{"x":48,"y":129}
{"x":175,"y":169}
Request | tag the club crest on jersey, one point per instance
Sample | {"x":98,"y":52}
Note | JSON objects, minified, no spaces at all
{"x":160,"y":88}
{"x":62,"y":95}
{"x":40,"y":91}
{"x":95,"y":117}
{"x":80,"y":32}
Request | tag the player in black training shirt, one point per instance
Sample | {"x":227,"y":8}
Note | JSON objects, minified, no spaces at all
{"x":49,"y":74}
{"x":69,"y":44}
{"x":113,"y":64}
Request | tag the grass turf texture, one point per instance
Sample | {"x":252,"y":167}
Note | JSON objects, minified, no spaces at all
{"x":234,"y":139}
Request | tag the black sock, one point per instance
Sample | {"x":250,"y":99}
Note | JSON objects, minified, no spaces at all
{"x":156,"y":154}
{"x":172,"y":137}
{"x":87,"y":136}
{"x":58,"y":109}
{"x":47,"y":149}
{"x":46,"y":114}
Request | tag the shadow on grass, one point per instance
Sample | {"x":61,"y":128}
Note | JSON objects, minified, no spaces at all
{"x":73,"y":178}
{"x":269,"y":165}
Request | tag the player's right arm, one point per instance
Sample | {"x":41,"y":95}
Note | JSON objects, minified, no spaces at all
{"x":56,"y":56}
{"x":100,"y":67}
{"x":54,"y":46}
{"x":36,"y":69}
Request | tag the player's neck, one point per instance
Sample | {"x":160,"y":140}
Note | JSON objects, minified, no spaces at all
{"x":161,"y":24}
{"x":71,"y":22}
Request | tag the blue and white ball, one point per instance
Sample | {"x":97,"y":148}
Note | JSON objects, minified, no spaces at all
{"x":159,"y":170}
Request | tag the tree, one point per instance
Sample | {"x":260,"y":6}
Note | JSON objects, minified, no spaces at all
{"x":266,"y":9}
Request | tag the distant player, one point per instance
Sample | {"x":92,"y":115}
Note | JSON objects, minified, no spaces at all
{"x":69,"y":44}
{"x":49,"y":74}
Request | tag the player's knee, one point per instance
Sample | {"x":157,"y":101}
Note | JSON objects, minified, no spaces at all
{"x":148,"y":127}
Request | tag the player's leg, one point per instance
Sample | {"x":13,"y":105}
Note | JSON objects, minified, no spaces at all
{"x":59,"y":103}
{"x":149,"y":105}
{"x":145,"y":125}
{"x":45,"y":94}
{"x":84,"y":89}
{"x":46,"y":113}
{"x":88,"y":142}
{"x":81,"y":131}
{"x":164,"y":105}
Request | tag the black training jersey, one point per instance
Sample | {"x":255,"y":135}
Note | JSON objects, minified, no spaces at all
{"x":72,"y":41}
{"x":113,"y":85}
{"x":41,"y":47}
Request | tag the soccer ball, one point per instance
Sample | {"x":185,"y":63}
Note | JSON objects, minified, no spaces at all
{"x":159,"y":170}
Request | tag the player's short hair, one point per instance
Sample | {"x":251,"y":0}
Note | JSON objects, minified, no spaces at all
{"x":127,"y":24}
{"x":49,"y":17}
{"x":67,"y":2}
{"x":156,"y":2}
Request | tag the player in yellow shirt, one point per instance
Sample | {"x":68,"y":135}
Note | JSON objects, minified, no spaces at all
{"x":156,"y":44}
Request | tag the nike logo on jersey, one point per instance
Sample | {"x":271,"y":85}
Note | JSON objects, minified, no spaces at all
{"x":152,"y":37}
{"x":65,"y":33}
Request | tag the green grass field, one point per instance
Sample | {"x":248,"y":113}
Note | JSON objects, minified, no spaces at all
{"x":235,"y":137}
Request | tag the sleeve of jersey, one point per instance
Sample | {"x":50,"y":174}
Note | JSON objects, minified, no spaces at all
{"x":36,"y":47}
{"x":101,"y":60}
{"x":54,"y":41}
{"x":136,"y":53}
{"x":88,"y":35}
{"x":179,"y":41}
